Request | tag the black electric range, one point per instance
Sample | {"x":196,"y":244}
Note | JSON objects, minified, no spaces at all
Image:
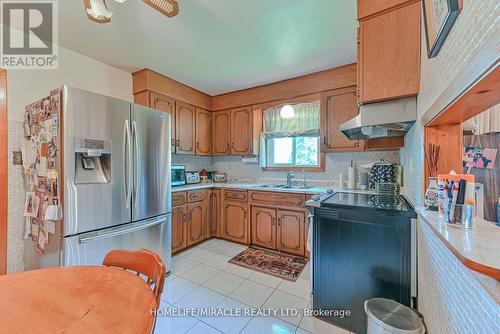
{"x":368,"y":203}
{"x":361,"y":250}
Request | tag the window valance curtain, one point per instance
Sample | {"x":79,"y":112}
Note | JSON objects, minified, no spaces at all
{"x":305,"y":122}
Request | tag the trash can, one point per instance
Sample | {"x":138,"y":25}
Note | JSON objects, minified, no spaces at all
{"x":387,"y":316}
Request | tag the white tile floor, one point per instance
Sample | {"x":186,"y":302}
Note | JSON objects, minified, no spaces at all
{"x":202,"y":278}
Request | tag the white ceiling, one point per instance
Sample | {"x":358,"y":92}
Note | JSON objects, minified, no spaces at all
{"x":218,"y":46}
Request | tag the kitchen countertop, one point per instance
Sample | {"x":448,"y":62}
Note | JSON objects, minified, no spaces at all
{"x":261,"y":187}
{"x":477,"y":249}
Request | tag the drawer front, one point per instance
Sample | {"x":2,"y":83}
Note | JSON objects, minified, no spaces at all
{"x":235,"y":195}
{"x":195,"y":196}
{"x":277,"y":198}
{"x":179,"y":198}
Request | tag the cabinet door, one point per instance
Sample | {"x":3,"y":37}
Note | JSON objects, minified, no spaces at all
{"x":213,"y":208}
{"x":207,"y":204}
{"x":241,"y":131}
{"x":167,"y":105}
{"x":221,"y":133}
{"x":235,"y":221}
{"x":340,"y":106}
{"x":263,"y":223}
{"x":389,"y":54}
{"x":290,"y":232}
{"x":216,"y":223}
{"x":203,"y":132}
{"x":185,"y":115}
{"x":179,"y":221}
{"x":195,"y":223}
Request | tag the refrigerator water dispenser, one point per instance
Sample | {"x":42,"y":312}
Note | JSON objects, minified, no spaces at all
{"x":92,"y":161}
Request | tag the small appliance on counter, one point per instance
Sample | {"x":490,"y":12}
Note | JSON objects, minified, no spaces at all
{"x":220,"y":177}
{"x":210,"y":175}
{"x":203,"y":176}
{"x":178,"y":175}
{"x":383,"y":172}
{"x":192,"y":177}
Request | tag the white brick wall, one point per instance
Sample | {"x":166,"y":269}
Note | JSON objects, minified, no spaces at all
{"x":449,"y":296}
{"x":474,"y":40}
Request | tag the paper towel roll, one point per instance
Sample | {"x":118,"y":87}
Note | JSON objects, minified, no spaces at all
{"x":351,"y":178}
{"x":341,"y":181}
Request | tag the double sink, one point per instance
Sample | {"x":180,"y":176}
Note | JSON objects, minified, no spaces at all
{"x":281,"y":186}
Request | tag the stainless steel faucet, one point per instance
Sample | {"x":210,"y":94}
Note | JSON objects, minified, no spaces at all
{"x":290,"y":179}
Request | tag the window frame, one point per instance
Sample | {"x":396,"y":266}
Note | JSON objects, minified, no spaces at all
{"x":270,"y":152}
{"x":322,"y":155}
{"x":294,"y":168}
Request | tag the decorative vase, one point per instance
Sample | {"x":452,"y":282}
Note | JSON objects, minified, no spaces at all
{"x":431,"y":195}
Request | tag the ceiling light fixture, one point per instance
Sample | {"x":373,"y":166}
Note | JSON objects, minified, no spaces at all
{"x":287,"y":111}
{"x":97,"y":10}
{"x":166,"y":7}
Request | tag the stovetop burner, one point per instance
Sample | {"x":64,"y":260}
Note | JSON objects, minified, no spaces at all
{"x":359,"y":200}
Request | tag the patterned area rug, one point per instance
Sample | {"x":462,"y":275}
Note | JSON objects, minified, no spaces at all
{"x":287,"y":267}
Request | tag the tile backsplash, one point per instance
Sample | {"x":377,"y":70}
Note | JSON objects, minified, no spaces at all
{"x":238,"y":171}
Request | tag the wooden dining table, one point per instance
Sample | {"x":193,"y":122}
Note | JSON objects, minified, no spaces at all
{"x":81,"y":299}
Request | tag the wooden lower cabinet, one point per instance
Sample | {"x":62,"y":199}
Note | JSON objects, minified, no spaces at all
{"x":263,"y":222}
{"x":235,"y":221}
{"x":290,"y":232}
{"x":179,"y":231}
{"x":278,"y":229}
{"x":214,"y":213}
{"x":194,"y":223}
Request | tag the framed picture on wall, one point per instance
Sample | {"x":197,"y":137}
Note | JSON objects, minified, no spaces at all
{"x":439,"y":17}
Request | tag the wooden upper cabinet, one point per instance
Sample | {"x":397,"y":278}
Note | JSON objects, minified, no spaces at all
{"x":221,"y":133}
{"x":195,"y":223}
{"x":373,"y":7}
{"x":179,"y":232}
{"x":203,"y":132}
{"x":263,"y":227}
{"x":290,"y":232}
{"x":242,"y":131}
{"x":235,"y":221}
{"x":185,"y":129}
{"x":339,"y":106}
{"x":166,"y":104}
{"x":389,"y":54}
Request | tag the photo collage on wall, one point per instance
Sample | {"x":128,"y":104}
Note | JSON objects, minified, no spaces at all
{"x":40,"y":152}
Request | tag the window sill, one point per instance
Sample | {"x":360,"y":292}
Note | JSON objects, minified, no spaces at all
{"x":320,"y":168}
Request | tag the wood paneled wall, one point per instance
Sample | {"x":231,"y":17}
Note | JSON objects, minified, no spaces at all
{"x":291,"y":89}
{"x":3,"y":171}
{"x":340,"y":77}
{"x":149,"y":80}
{"x":450,"y":138}
{"x":446,"y":129}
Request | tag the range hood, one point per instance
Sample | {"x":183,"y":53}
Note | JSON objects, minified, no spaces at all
{"x":382,"y":119}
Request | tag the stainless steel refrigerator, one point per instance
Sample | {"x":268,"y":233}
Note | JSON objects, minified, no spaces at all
{"x":114,"y":181}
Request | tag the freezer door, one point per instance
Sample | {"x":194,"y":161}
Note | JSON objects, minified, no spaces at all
{"x":151,"y":134}
{"x":91,"y":248}
{"x":95,"y":200}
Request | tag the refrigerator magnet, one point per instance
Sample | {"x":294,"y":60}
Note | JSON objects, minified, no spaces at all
{"x":31,"y":205}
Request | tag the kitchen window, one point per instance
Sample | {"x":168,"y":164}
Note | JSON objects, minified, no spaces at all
{"x":290,"y":139}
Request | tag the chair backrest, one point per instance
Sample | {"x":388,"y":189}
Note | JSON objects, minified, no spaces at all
{"x":143,"y":262}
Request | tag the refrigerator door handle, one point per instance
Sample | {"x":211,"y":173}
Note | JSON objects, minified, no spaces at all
{"x":123,"y":230}
{"x":127,"y":151}
{"x":135,"y":135}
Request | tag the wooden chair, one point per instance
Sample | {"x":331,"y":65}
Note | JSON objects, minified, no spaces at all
{"x":143,"y":262}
